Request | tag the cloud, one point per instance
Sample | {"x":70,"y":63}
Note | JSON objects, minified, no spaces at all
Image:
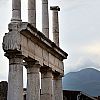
{"x":3,"y":2}
{"x":82,"y":63}
{"x":92,"y":49}
{"x":84,"y":56}
{"x":86,"y":63}
{"x":89,"y":63}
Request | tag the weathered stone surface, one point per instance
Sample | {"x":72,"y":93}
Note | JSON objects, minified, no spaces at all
{"x":56,"y":62}
{"x":55,"y":25}
{"x":39,"y":54}
{"x":32,"y":12}
{"x":46,"y":84}
{"x":51,"y":60}
{"x":38,"y":47}
{"x":24,"y":45}
{"x":11,"y":41}
{"x":16,"y":11}
{"x":57,"y":88}
{"x":45,"y":18}
{"x":31,"y":49}
{"x":33,"y":82}
{"x":15,"y":78}
{"x":45,"y":57}
{"x":61,"y":65}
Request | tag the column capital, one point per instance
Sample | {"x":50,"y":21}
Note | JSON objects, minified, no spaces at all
{"x":13,"y":26}
{"x":44,"y":1}
{"x":57,"y":75}
{"x":31,"y":63}
{"x":55,"y":8}
{"x":46,"y":72}
{"x":13,"y":54}
{"x":45,"y":69}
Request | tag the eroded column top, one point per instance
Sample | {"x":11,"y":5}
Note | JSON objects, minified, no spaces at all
{"x":55,"y":8}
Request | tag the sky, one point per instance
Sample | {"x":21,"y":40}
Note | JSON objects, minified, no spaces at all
{"x":79,"y":32}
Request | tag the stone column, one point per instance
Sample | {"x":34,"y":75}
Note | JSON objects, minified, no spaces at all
{"x":16,"y":11}
{"x":57,"y":87}
{"x":45,"y":18}
{"x":55,"y":25}
{"x":46,"y":84}
{"x":32,"y":12}
{"x":33,"y":81}
{"x":15,"y":78}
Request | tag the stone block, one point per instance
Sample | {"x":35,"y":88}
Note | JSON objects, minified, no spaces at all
{"x":61,"y":65}
{"x":24,"y":44}
{"x":31,"y":49}
{"x":38,"y":51}
{"x":38,"y":54}
{"x":51,"y":60}
{"x":45,"y":57}
{"x":56,"y":62}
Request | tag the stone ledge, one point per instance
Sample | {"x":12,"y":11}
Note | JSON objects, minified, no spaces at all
{"x":31,"y":32}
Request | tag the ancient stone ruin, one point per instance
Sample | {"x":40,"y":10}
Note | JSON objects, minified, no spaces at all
{"x":24,"y":45}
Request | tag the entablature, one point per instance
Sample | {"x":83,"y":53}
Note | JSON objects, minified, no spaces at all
{"x":33,"y":34}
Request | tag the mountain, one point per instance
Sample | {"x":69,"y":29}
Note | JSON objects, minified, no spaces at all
{"x":86,"y":80}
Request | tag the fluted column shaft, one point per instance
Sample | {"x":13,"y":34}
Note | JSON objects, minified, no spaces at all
{"x":16,"y":11}
{"x":45,"y":18}
{"x":15,"y":78}
{"x":32,"y":12}
{"x":33,"y":82}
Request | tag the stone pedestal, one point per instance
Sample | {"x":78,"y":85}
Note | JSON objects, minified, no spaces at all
{"x":45,"y":18}
{"x":15,"y":78}
{"x":46,"y":84}
{"x":33,"y":81}
{"x":32,"y":12}
{"x":57,"y":88}
{"x":16,"y":10}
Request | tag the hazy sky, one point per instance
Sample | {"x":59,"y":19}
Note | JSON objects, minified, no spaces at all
{"x":79,"y":31}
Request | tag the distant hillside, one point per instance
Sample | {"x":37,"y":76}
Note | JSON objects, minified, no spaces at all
{"x":86,"y":80}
